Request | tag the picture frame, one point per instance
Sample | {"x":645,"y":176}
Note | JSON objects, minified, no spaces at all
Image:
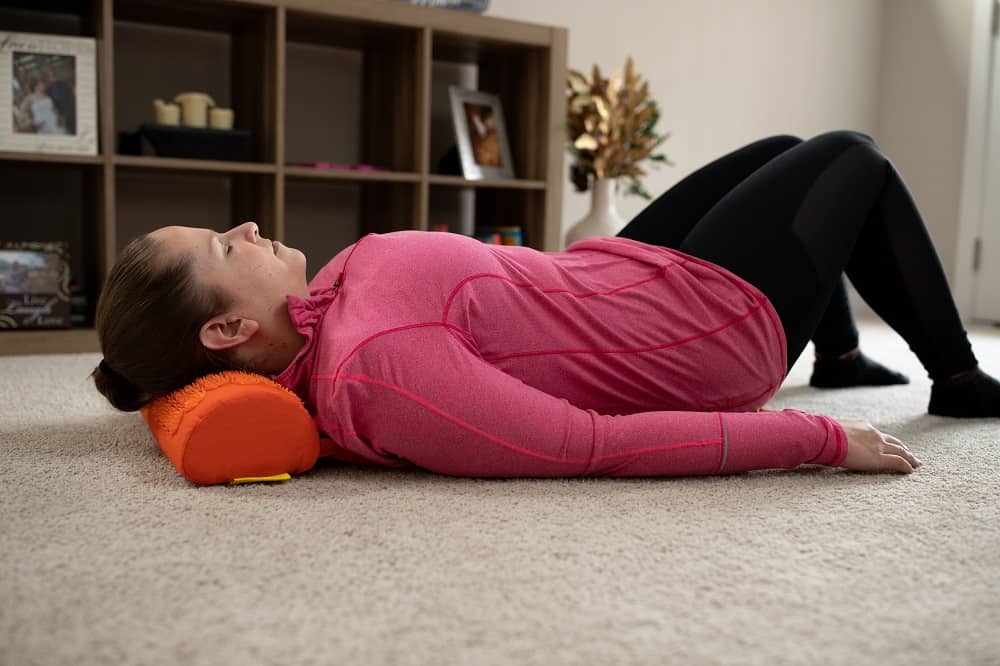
{"x":34,"y":285}
{"x":481,"y":134}
{"x":48,"y":93}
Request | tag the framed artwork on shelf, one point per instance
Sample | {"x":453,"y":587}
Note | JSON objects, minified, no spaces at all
{"x":481,"y":135}
{"x":48,"y":88}
{"x":34,"y":285}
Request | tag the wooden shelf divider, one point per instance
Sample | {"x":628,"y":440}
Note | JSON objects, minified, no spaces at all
{"x":278,"y":109}
{"x":351,"y":175}
{"x":498,"y":183}
{"x":16,"y":156}
{"x":184,"y":164}
{"x":68,"y":341}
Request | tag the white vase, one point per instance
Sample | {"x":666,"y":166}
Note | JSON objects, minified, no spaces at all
{"x":603,"y":218}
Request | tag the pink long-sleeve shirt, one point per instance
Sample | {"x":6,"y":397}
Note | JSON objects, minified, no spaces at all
{"x":613,"y":358}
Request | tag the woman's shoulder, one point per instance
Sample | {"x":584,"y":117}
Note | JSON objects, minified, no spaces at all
{"x":407,"y":252}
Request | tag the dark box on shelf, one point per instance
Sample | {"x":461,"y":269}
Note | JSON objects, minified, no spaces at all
{"x":34,"y":285}
{"x":198,"y":143}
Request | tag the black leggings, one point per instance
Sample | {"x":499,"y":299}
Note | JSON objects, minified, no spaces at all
{"x":792,"y":216}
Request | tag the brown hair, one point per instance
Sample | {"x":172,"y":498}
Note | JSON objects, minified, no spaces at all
{"x":148,"y":320}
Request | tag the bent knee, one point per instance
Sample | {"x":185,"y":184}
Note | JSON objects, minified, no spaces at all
{"x":837,"y":142}
{"x":790,"y":139}
{"x":848,"y":137}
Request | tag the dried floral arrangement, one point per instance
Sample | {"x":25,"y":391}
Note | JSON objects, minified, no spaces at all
{"x":611,"y":126}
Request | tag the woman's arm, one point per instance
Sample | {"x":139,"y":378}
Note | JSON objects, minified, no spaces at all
{"x":423,"y":396}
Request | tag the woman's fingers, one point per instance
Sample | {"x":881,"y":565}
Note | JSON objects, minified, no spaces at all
{"x":900,"y":451}
{"x":897,"y":463}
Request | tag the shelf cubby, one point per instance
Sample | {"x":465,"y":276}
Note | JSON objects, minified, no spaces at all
{"x":512,"y":72}
{"x":473,"y":209}
{"x":30,"y":212}
{"x":226,"y":50}
{"x":351,"y":92}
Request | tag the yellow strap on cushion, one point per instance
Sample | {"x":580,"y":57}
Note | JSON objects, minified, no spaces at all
{"x":257,"y":479}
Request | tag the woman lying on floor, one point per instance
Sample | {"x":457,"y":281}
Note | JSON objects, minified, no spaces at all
{"x":646,"y":354}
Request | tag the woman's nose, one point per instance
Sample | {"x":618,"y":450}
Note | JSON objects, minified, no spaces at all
{"x":250,"y":230}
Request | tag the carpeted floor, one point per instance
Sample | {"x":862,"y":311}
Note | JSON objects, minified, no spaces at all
{"x":108,"y":557}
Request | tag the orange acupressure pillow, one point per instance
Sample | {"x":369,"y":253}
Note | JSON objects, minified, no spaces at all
{"x":234,"y":427}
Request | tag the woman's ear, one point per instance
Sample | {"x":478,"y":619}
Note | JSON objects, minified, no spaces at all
{"x":227,"y":331}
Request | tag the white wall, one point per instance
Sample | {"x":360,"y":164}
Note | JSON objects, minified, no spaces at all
{"x":972,"y":211}
{"x":725,"y":72}
{"x":922,"y":102}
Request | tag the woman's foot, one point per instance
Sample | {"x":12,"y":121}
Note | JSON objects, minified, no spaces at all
{"x":971,"y":394}
{"x":852,"y":369}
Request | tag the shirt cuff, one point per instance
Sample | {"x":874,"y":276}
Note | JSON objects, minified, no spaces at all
{"x":834,"y":448}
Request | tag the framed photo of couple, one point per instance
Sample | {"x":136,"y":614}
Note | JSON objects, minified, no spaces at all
{"x":48,"y":86}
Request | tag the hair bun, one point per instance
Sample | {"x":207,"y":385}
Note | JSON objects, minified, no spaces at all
{"x":121,"y":393}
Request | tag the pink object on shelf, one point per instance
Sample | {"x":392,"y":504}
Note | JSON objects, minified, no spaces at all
{"x":337,"y":167}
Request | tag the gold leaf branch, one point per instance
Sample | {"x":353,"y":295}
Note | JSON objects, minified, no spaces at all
{"x":611,"y":127}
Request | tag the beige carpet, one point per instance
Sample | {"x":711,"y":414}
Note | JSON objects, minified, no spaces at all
{"x":108,"y":557}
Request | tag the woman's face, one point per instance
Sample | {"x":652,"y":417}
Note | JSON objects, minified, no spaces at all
{"x":256,"y":273}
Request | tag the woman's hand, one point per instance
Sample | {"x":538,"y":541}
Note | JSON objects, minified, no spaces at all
{"x":869,"y":450}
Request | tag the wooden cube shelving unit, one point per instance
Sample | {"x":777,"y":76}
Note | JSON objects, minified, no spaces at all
{"x":267,"y":60}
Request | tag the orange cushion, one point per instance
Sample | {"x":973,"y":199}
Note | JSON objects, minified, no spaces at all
{"x":233,"y":425}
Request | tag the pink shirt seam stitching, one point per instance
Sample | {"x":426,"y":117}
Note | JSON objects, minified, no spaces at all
{"x":636,"y":350}
{"x":509,"y":445}
{"x":397,"y":329}
{"x":454,"y":292}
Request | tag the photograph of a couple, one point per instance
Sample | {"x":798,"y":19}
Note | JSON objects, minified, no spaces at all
{"x":44,"y":93}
